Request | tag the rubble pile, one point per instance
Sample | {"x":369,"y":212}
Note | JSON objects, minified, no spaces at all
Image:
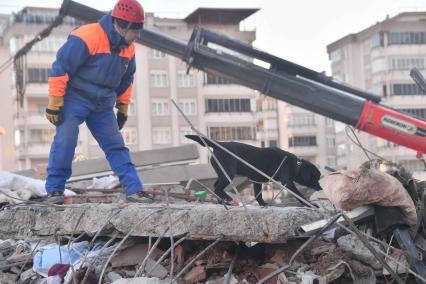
{"x":367,"y":226}
{"x":139,"y":259}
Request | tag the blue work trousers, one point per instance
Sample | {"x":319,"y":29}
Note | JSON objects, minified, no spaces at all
{"x":104,"y":128}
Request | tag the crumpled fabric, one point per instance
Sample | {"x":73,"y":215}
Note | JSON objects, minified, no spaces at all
{"x":349,"y":190}
{"x":17,"y":188}
{"x":59,"y":270}
{"x":52,"y":254}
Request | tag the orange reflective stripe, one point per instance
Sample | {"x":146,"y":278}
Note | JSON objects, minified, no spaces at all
{"x":95,"y":38}
{"x":57,"y":85}
{"x":125,"y":97}
{"x":128,"y":52}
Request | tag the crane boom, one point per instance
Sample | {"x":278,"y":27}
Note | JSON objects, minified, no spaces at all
{"x":283,"y":80}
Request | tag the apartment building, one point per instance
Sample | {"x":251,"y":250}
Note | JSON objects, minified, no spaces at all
{"x":28,"y":134}
{"x":214,"y":105}
{"x":378,"y":59}
{"x":307,"y":134}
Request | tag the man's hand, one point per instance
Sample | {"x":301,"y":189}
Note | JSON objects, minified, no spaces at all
{"x":54,"y":109}
{"x":121,"y":114}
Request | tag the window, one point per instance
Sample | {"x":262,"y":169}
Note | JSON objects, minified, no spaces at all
{"x":418,"y":112}
{"x":41,"y":109}
{"x":41,"y":136}
{"x":341,"y":150}
{"x":271,"y":104}
{"x":407,"y":63}
{"x":337,"y":55}
{"x":232,"y":133}
{"x":50,"y":44}
{"x":273,"y":143}
{"x":156,"y":54}
{"x":377,"y":40}
{"x":18,"y":137}
{"x":302,"y":141}
{"x":412,"y":165}
{"x":132,"y":109}
{"x":228,"y":105}
{"x":331,"y":161}
{"x":189,"y":106}
{"x":130,"y":135}
{"x":215,"y":80}
{"x":185,"y":80}
{"x":271,"y":124}
{"x":301,"y":119}
{"x":378,"y":65}
{"x":184,"y":131}
{"x":405,"y":89}
{"x":159,"y":108}
{"x":161,"y":135}
{"x":37,"y":75}
{"x":341,"y":77}
{"x":43,"y":18}
{"x":158,"y":79}
{"x":331,"y":142}
{"x":329,"y":122}
{"x":407,"y":38}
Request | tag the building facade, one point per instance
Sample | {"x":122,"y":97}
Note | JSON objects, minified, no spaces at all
{"x":378,"y":60}
{"x":214,"y":105}
{"x":308,"y":135}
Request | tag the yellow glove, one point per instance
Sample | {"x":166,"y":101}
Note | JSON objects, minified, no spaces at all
{"x":121,"y":114}
{"x":54,"y":109}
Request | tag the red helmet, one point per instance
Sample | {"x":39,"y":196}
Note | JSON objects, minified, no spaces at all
{"x":129,"y":10}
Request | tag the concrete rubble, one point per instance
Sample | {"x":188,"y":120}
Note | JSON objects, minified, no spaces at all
{"x":184,"y":237}
{"x":256,"y":224}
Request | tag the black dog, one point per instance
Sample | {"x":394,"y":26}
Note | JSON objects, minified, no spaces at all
{"x":280,"y":165}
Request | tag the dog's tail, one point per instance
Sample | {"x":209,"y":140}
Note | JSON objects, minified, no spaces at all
{"x":197,"y":138}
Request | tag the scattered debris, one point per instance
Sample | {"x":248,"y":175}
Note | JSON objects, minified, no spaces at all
{"x":186,"y":237}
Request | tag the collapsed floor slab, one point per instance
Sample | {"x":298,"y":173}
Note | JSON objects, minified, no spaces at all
{"x":204,"y":221}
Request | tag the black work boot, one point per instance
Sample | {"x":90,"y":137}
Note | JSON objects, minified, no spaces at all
{"x":56,"y":197}
{"x":140,"y":197}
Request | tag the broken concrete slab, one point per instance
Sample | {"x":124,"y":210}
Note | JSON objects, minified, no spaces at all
{"x":155,"y":270}
{"x":141,"y":280}
{"x":180,"y":154}
{"x":112,"y":276}
{"x":199,"y":221}
{"x":8,"y":278}
{"x":197,"y":274}
{"x":356,"y":249}
{"x":361,"y":274}
{"x":133,"y":255}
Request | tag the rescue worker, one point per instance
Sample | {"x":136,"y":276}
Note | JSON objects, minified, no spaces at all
{"x":92,"y":73}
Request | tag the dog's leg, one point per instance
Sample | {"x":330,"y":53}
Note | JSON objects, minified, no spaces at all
{"x":292,"y":187}
{"x":219,"y":189}
{"x":258,"y":193}
{"x":222,"y":181}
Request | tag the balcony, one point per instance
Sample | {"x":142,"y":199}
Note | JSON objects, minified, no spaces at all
{"x":229,"y":117}
{"x":34,"y":90}
{"x":304,"y":150}
{"x":399,"y":152}
{"x":30,"y":118}
{"x":33,"y":150}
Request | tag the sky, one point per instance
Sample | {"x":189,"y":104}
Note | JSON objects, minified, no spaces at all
{"x":298,"y":30}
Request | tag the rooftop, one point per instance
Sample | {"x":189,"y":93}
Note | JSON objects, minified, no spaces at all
{"x":224,"y":16}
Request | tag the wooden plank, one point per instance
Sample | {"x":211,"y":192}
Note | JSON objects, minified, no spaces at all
{"x":354,"y":215}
